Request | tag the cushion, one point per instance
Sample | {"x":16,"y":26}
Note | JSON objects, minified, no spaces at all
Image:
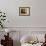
{"x":26,"y":39}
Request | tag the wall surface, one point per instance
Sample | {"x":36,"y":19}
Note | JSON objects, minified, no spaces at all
{"x":25,"y":24}
{"x":37,"y":16}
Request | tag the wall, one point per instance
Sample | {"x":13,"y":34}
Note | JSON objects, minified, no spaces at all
{"x":38,"y":13}
{"x":25,"y":24}
{"x":35,"y":22}
{"x":11,"y":7}
{"x":37,"y":17}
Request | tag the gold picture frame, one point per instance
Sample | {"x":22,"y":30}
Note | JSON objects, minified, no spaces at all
{"x":24,"y":11}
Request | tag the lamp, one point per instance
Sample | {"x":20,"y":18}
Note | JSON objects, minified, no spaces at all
{"x":7,"y":31}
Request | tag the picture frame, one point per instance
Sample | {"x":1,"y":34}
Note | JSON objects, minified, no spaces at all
{"x":24,"y":11}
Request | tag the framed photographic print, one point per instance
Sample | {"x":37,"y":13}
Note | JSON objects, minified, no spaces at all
{"x":24,"y":11}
